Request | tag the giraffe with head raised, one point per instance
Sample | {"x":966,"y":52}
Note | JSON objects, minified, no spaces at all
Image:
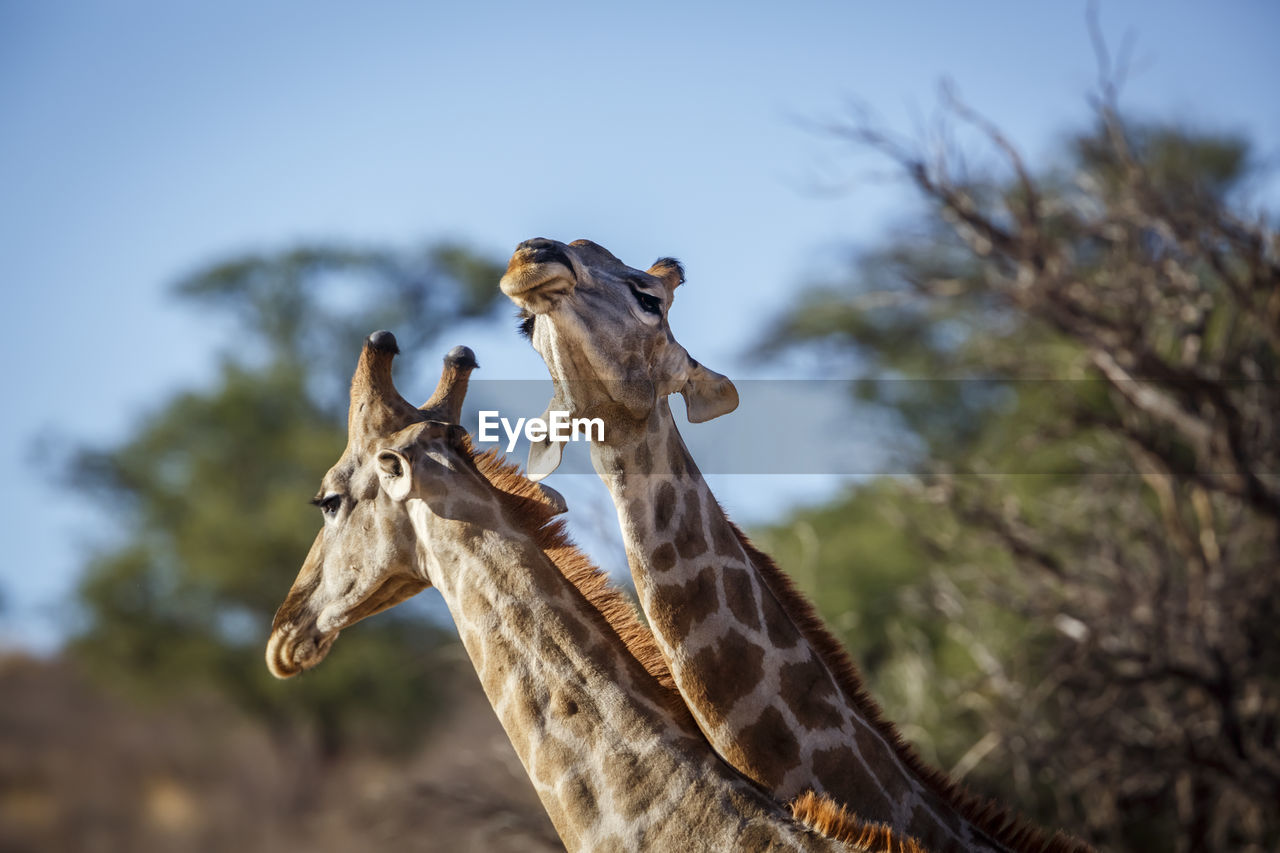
{"x":773,"y":690}
{"x":609,"y":745}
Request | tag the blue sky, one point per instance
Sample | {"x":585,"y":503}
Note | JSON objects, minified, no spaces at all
{"x":142,"y":139}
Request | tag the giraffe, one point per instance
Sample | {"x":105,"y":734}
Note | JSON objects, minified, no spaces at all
{"x":775,"y":693}
{"x":615,"y":759}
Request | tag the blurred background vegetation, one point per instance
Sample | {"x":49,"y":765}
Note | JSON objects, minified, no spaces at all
{"x":1072,"y":603}
{"x":1068,"y":598}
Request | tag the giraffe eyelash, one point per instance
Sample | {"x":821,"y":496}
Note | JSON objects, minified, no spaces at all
{"x":525,"y":325}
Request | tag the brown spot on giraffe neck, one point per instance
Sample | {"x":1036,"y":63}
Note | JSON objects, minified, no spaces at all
{"x":678,"y":458}
{"x":725,"y":672}
{"x":664,"y":557}
{"x":473,"y":600}
{"x":664,"y":507}
{"x":554,"y":759}
{"x":813,"y":695}
{"x":740,"y":594}
{"x":522,"y":711}
{"x":724,"y":539}
{"x":690,"y":539}
{"x":698,"y":600}
{"x":643,"y":460}
{"x":630,"y":799}
{"x":638,"y":518}
{"x":777,"y":624}
{"x":773,"y":747}
{"x":579,"y":794}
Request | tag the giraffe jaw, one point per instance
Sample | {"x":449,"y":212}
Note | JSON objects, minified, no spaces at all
{"x":365,"y":603}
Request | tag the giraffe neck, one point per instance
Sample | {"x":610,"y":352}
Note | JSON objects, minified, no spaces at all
{"x":765,"y":697}
{"x":614,"y":767}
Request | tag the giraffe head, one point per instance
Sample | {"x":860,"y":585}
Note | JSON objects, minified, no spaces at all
{"x":365,"y":558}
{"x":601,"y":326}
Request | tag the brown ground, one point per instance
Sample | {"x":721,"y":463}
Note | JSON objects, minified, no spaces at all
{"x":86,"y":772}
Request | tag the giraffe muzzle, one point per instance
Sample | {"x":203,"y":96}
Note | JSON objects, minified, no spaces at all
{"x":291,"y":651}
{"x":540,"y":270}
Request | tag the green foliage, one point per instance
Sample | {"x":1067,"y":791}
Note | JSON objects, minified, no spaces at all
{"x":210,"y":496}
{"x":1181,"y":164}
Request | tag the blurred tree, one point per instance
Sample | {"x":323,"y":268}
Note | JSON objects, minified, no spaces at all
{"x":210,"y":496}
{"x":1075,"y":600}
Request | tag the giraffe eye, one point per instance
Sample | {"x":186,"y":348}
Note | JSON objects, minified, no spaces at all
{"x":329,"y":505}
{"x":648,"y":302}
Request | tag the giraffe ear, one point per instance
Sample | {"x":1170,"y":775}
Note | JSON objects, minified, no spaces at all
{"x":707,"y":394}
{"x":669,"y":272}
{"x":544,"y":454}
{"x":395,"y":472}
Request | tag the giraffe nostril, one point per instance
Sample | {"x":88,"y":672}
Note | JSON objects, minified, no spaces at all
{"x":540,"y":250}
{"x":536,"y":243}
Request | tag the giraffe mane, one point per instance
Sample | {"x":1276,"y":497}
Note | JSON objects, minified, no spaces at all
{"x":827,"y":817}
{"x":999,"y":822}
{"x":526,"y":504}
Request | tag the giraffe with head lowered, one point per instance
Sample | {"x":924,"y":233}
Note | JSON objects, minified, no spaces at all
{"x":773,"y":690}
{"x":572,"y":675}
